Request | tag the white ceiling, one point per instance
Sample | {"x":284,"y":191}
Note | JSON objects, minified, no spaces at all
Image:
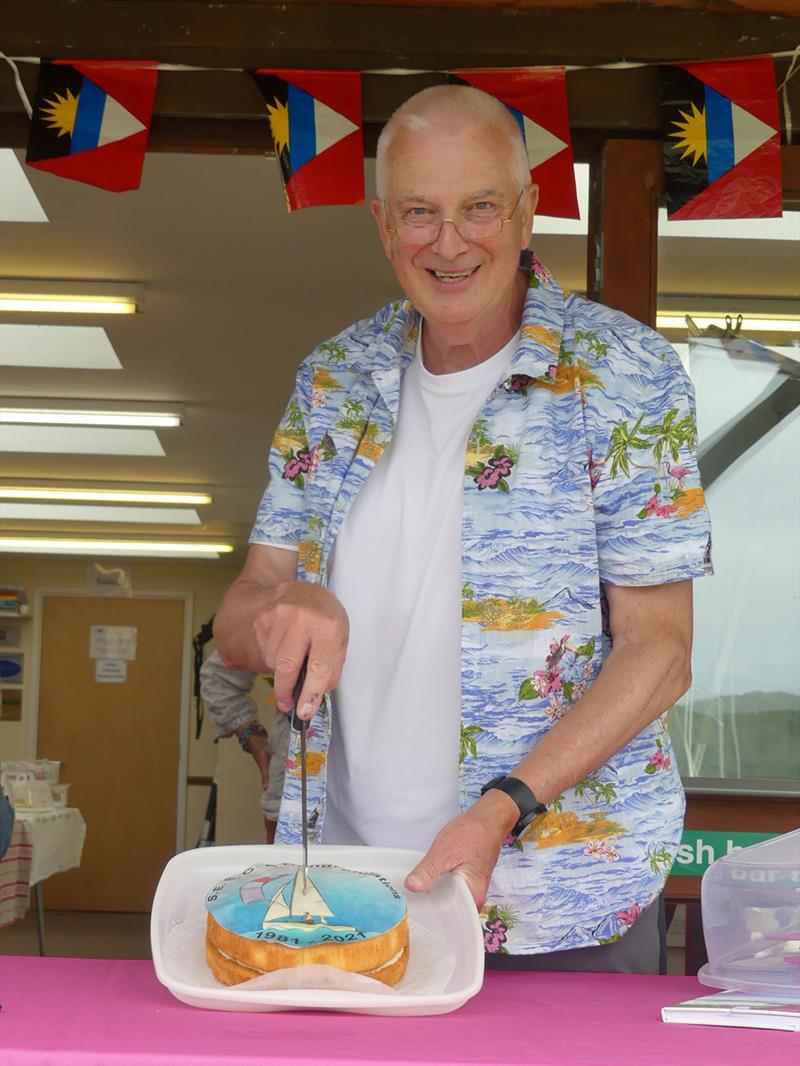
{"x":236,"y":292}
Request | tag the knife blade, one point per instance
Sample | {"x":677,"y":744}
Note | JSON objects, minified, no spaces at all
{"x":301,"y":725}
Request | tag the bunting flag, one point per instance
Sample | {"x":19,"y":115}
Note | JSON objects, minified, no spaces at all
{"x":315,"y":118}
{"x":537,"y":99}
{"x":91,"y":121}
{"x":720,"y":125}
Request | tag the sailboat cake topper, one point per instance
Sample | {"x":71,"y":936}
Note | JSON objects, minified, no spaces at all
{"x":272,"y":903}
{"x":295,"y":902}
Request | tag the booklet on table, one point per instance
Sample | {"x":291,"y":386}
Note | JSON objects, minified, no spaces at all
{"x":750,"y":1010}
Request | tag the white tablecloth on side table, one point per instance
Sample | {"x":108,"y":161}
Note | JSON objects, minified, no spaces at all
{"x":43,"y":843}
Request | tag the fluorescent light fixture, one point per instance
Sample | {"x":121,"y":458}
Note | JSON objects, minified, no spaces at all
{"x":79,"y":440}
{"x":35,"y":296}
{"x":57,"y":347}
{"x":41,"y":416}
{"x":34,"y":304}
{"x":750,"y":324}
{"x":78,"y":512}
{"x":59,"y":546}
{"x":18,"y":201}
{"x":32,"y":492}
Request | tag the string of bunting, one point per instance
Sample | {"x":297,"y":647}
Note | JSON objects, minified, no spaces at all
{"x":90,"y":120}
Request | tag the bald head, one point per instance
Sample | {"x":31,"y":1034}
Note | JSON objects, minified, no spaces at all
{"x":451,"y":108}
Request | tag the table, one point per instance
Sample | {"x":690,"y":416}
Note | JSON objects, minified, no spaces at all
{"x":43,"y":843}
{"x":102,"y":1012}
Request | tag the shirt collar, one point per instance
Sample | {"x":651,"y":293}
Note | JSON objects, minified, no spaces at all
{"x":538,"y":349}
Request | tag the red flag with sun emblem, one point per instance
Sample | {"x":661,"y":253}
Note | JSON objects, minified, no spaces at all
{"x":722,"y":143}
{"x":91,"y":121}
{"x":537,"y":99}
{"x":316,"y":124}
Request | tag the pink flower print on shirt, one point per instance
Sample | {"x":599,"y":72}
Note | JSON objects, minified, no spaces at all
{"x":293,"y":468}
{"x":488,"y":479}
{"x":658,"y":760}
{"x":655,"y":507}
{"x":595,"y":847}
{"x":631,"y":915}
{"x":547,"y":681}
{"x":492,"y":474}
{"x":494,"y":936}
{"x":610,"y":853}
{"x":518,"y":383}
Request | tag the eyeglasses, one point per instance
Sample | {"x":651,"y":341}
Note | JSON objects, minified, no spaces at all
{"x":419,"y":225}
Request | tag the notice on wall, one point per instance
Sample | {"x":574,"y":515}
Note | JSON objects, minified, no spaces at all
{"x":113,"y":642}
{"x":10,"y":635}
{"x":111,"y":671}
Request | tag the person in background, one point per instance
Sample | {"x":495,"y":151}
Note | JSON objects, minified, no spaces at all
{"x":228,"y":698}
{"x":6,"y":822}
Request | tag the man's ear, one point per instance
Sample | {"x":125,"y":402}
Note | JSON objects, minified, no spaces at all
{"x":379,"y":214}
{"x":529,"y":201}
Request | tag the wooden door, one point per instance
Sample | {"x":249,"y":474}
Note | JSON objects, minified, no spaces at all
{"x":118,"y":744}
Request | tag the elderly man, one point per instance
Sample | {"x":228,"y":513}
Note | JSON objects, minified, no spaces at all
{"x":481,"y":526}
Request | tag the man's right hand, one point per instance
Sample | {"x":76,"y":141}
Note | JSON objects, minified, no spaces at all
{"x":269,"y":622}
{"x":302,"y":620}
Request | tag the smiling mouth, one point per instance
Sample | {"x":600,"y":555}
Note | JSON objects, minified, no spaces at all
{"x":451,"y":276}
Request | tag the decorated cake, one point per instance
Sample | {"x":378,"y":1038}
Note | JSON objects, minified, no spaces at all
{"x":269,"y":918}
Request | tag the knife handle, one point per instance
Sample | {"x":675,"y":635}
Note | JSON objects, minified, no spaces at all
{"x":299,"y":723}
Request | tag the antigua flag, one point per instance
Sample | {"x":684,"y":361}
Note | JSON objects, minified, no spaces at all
{"x":316,"y":124}
{"x":91,"y":121}
{"x":721,"y":138}
{"x":538,"y":101}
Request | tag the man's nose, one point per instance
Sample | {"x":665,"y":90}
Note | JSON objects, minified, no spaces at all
{"x":449,"y":243}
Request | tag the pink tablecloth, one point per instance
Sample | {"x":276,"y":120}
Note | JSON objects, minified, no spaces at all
{"x":96,"y":1012}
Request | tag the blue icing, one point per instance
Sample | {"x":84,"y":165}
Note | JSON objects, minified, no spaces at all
{"x":270,"y":903}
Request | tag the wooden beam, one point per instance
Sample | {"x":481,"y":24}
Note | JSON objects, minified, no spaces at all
{"x":359,"y":36}
{"x":623,"y":237}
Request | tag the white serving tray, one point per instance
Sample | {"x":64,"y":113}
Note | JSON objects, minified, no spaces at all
{"x":446,"y":912}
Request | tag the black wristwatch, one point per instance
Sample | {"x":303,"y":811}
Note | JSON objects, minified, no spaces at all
{"x":529,"y":806}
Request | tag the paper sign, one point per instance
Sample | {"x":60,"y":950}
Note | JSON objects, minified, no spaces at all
{"x":112,"y":642}
{"x":10,"y":635}
{"x":114,"y":671}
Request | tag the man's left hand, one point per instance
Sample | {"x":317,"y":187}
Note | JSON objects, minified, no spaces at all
{"x":468,"y":846}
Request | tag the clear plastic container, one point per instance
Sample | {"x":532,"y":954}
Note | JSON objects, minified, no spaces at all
{"x":750,"y":902}
{"x":25,"y":791}
{"x":59,"y":794}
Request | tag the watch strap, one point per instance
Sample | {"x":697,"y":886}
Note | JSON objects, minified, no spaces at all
{"x":518,"y":791}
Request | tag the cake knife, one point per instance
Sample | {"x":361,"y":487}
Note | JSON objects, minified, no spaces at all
{"x":301,"y":725}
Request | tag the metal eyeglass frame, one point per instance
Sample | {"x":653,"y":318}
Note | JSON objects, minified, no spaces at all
{"x":452,"y":221}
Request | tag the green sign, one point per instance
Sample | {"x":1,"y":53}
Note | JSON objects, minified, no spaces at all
{"x":700,"y":847}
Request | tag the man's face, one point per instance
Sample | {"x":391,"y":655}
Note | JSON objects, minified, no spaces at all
{"x":454,"y":174}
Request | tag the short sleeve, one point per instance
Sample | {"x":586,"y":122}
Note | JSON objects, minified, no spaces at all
{"x":651,"y":517}
{"x":280,"y":520}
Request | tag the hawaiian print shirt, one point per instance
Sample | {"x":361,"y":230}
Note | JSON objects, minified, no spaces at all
{"x":580,"y":471}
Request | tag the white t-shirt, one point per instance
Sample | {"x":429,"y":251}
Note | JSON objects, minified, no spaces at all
{"x":396,"y":568}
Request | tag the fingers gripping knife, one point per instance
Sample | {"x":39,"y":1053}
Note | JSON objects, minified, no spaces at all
{"x":302,"y":727}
